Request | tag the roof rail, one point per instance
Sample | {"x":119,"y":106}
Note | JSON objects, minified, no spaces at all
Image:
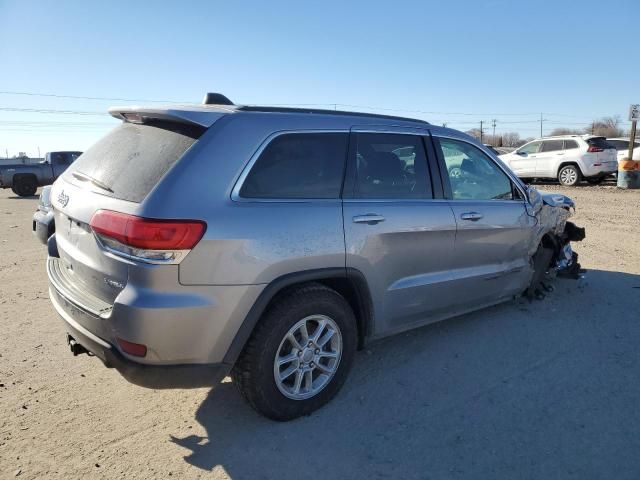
{"x":319,"y":111}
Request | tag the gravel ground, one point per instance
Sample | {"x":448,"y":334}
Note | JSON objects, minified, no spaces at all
{"x":523,"y":390}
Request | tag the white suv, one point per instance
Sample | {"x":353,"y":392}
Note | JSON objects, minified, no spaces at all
{"x":569,"y":158}
{"x":622,"y":146}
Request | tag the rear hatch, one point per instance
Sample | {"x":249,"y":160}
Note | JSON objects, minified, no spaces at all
{"x":603,"y":150}
{"x":117,"y":173}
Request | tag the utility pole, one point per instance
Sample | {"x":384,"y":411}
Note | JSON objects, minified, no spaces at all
{"x":493,"y":124}
{"x":481,"y":132}
{"x":38,"y":151}
{"x":540,"y":125}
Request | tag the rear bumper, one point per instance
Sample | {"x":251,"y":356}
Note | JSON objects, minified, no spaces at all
{"x":149,"y":376}
{"x":600,"y":169}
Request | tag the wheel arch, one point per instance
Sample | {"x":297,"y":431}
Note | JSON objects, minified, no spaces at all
{"x":349,"y":282}
{"x":563,"y":164}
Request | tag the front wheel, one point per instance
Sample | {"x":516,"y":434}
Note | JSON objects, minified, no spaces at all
{"x":569,"y":175}
{"x":300,"y":353}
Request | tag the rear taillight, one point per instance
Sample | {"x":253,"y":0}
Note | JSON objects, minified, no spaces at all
{"x":151,"y":240}
{"x":593,"y":149}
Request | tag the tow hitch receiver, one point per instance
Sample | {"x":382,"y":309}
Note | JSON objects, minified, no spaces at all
{"x":75,"y":347}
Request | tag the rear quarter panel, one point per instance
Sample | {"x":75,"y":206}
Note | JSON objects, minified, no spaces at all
{"x":247,"y":241}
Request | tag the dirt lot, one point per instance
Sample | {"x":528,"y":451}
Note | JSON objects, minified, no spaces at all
{"x":548,"y":389}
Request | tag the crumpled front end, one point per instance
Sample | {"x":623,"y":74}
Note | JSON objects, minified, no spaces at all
{"x":550,"y":247}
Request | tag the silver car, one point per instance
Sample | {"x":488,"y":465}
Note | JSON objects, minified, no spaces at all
{"x":270,"y":243}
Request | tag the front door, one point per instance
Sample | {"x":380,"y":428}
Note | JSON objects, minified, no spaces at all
{"x":523,"y":160}
{"x":491,"y":254}
{"x":397,"y":234}
{"x":550,"y":156}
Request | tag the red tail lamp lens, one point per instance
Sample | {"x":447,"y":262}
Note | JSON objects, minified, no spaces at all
{"x":146,"y":233}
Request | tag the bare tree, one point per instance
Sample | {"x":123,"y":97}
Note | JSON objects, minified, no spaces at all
{"x":475,"y":133}
{"x":606,"y":127}
{"x":511,"y":139}
{"x":566,"y":131}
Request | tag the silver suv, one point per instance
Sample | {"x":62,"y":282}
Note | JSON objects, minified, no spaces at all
{"x":194,"y":241}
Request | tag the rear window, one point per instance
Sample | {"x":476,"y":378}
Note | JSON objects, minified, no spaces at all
{"x":132,"y":158}
{"x":599,"y":142}
{"x":299,"y":165}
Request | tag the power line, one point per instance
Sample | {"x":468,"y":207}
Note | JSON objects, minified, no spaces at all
{"x":44,"y":110}
{"x":78,"y":97}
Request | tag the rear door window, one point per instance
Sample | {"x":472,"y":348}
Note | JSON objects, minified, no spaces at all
{"x":299,"y":166}
{"x":131,"y":159}
{"x":551,"y":145}
{"x":390,"y":165}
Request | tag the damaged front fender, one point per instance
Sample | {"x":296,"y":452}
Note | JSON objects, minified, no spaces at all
{"x":550,"y":247}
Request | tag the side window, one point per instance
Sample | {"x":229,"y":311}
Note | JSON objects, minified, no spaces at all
{"x":551,"y":145}
{"x":299,"y":165}
{"x":472,"y":174}
{"x":391,"y":166}
{"x":58,"y":159}
{"x":570,"y":144}
{"x":529,"y":148}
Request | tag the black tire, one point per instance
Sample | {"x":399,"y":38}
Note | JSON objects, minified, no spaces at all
{"x":13,"y":189}
{"x":569,"y":175}
{"x":254,"y":373}
{"x":595,"y":180}
{"x":25,"y":186}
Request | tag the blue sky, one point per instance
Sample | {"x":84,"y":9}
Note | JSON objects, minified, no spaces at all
{"x":508,"y":60}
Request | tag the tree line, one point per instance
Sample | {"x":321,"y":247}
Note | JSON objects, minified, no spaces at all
{"x":609,"y":127}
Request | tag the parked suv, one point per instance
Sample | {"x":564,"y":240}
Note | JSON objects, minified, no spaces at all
{"x":622,"y":147}
{"x":194,"y":241}
{"x":569,"y":158}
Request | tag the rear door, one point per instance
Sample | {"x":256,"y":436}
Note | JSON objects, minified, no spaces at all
{"x":493,"y":228}
{"x":549,"y":157}
{"x":399,"y":231}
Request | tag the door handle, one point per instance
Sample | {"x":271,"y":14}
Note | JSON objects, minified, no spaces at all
{"x":369,"y":219}
{"x":473,"y":216}
{"x":561,"y":153}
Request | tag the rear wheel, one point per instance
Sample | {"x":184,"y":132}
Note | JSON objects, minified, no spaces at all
{"x":25,"y":186}
{"x":569,"y":175}
{"x":300,"y":353}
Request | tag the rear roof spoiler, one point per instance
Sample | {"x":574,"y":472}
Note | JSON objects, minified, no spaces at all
{"x":200,"y":115}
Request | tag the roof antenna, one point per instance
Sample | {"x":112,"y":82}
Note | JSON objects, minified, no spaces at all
{"x":216,"y":99}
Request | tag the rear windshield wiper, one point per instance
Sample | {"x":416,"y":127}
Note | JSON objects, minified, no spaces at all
{"x":84,"y":177}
